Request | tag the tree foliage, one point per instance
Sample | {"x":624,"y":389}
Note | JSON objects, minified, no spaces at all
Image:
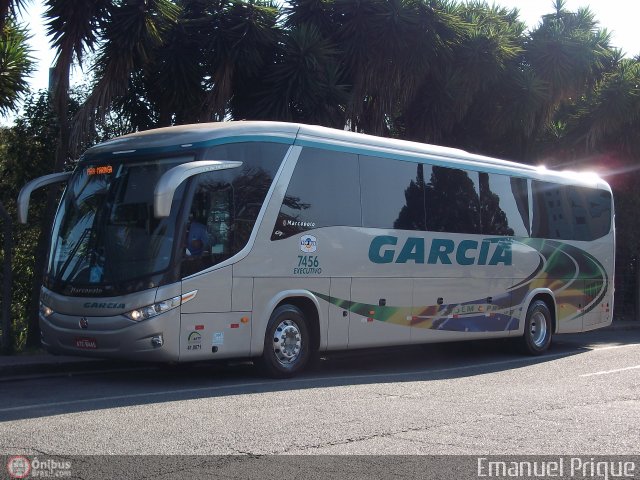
{"x":463,"y":74}
{"x":16,"y":64}
{"x":25,"y":152}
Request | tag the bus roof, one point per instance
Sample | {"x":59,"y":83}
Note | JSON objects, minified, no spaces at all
{"x":206,"y":134}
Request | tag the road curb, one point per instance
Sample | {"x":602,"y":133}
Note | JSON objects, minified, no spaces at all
{"x":47,"y":364}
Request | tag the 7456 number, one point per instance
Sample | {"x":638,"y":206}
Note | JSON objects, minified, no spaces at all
{"x":308,"y":261}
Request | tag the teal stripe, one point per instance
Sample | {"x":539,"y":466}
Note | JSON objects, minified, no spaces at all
{"x":410,"y":157}
{"x":139,"y":152}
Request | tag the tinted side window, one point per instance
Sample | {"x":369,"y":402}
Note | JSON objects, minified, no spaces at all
{"x":324,"y":191}
{"x":452,"y":200}
{"x":550,"y":212}
{"x":392,"y":194}
{"x":504,"y":205}
{"x":570,"y":213}
{"x":520,"y":189}
{"x":226,"y":203}
{"x":591,"y":211}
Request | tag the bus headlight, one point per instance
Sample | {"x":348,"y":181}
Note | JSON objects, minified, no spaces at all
{"x":150,"y":311}
{"x":45,"y":310}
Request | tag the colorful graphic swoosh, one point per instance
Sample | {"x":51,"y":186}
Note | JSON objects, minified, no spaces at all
{"x":579,"y":282}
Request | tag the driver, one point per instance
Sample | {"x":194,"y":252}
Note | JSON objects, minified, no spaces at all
{"x":197,"y":238}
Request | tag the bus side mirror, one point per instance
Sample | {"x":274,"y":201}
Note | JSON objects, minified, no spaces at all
{"x":171,"y":180}
{"x":25,"y":193}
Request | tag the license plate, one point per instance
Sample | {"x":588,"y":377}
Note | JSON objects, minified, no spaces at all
{"x":86,"y":342}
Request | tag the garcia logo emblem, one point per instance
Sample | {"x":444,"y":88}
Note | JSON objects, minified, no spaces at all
{"x":308,"y":243}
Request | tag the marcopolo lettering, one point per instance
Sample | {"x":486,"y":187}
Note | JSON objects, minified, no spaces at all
{"x":385,"y":249}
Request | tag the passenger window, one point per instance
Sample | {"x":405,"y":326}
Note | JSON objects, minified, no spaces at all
{"x":226,"y":203}
{"x":568,"y":212}
{"x":392,"y":194}
{"x":324,"y":191}
{"x":549,"y":211}
{"x":504,"y":205}
{"x":591,"y":212}
{"x":452,"y":200}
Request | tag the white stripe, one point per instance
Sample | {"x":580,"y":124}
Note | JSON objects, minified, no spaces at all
{"x":606,"y":372}
{"x":615,"y":347}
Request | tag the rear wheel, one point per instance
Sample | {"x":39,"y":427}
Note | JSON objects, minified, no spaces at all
{"x":287,"y":345}
{"x":538,"y":329}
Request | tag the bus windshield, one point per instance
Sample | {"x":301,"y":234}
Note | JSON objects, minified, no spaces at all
{"x":105,"y":232}
{"x":107,"y":241}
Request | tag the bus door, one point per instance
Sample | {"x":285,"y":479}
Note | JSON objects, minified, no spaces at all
{"x":207,"y":325}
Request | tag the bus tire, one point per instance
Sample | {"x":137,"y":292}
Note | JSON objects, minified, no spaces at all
{"x":538,"y":329}
{"x":287,"y":343}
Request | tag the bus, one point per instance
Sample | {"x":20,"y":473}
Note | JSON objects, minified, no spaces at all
{"x":276,"y":241}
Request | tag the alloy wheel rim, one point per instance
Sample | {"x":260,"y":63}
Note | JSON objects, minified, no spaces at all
{"x":287,"y":342}
{"x":538,"y":329}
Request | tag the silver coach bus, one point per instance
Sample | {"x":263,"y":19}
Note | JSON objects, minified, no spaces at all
{"x":275,"y":241}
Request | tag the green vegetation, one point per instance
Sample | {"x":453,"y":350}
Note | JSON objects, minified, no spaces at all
{"x":467,"y":75}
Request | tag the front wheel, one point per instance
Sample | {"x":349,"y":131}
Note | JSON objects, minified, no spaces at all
{"x":287,"y":345}
{"x":538,"y":329}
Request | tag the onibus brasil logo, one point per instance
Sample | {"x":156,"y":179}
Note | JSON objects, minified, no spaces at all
{"x":19,"y":466}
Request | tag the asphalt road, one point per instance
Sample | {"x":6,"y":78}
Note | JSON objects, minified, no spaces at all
{"x":470,"y":398}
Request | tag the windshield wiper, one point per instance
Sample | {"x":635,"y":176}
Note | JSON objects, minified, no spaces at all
{"x":72,"y":254}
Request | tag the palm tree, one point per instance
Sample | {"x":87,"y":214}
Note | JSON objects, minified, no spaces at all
{"x":506,"y":106}
{"x":131,"y":32}
{"x":319,"y":14}
{"x":614,"y":110}
{"x":500,"y":89}
{"x":16,"y":63}
{"x":213,"y":50}
{"x":389,"y":47}
{"x":565,"y":56}
{"x":9,"y":10}
{"x":460,"y":90}
{"x":240,"y":39}
{"x":172,"y":82}
{"x":304,"y":83}
{"x":73,"y":26}
{"x":569,"y":51}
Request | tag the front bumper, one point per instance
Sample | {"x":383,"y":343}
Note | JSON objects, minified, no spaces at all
{"x":113,"y":337}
